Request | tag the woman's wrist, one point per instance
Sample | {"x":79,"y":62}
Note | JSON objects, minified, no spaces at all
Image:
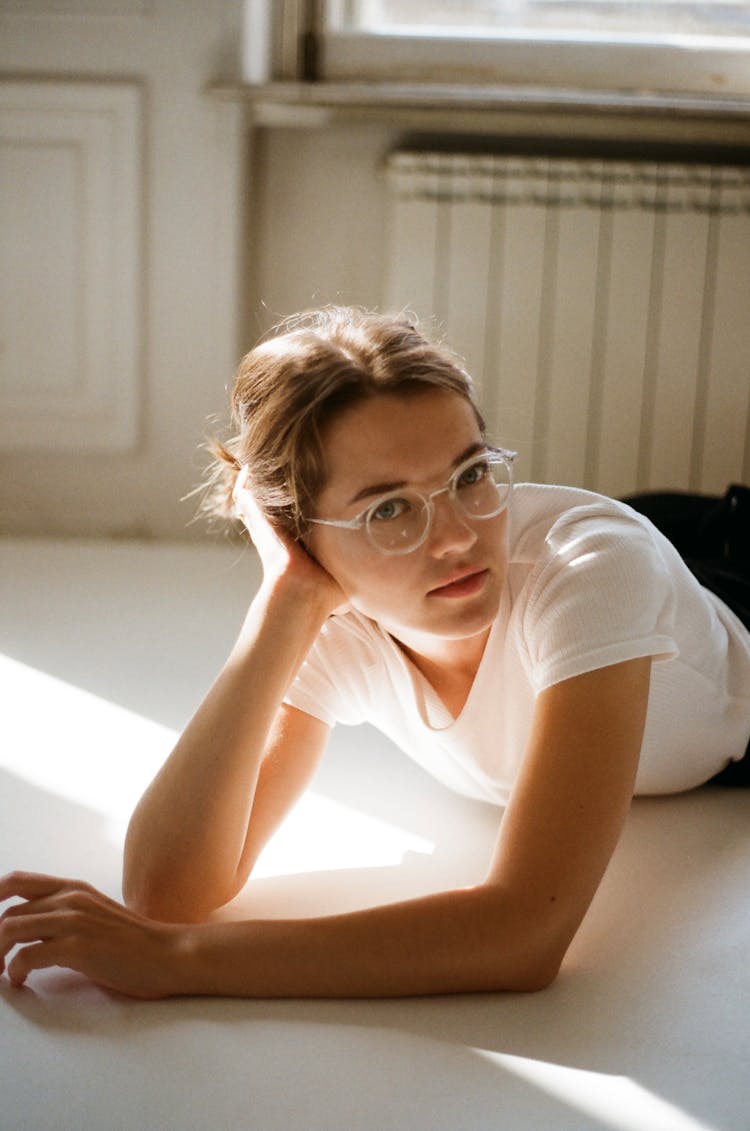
{"x":196,"y":963}
{"x":283,"y":620}
{"x":306,"y":598}
{"x":286,"y":605}
{"x":179,"y":959}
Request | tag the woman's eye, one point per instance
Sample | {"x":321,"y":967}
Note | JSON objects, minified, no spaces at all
{"x":474,"y":474}
{"x":389,"y":509}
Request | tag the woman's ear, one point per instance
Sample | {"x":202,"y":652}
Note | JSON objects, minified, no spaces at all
{"x":240,"y":486}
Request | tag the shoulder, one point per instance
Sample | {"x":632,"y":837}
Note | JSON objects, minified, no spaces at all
{"x":549,"y":521}
{"x":597,"y":583}
{"x":336,"y":679}
{"x":348,"y":639}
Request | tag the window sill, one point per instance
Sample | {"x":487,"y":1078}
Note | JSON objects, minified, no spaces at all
{"x":493,"y":109}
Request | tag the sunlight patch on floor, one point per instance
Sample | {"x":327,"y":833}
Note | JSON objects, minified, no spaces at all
{"x":100,"y":755}
{"x":322,"y":835}
{"x":616,"y":1101}
{"x":77,"y":745}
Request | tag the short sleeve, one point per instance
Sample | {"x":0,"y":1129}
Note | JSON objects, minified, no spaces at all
{"x":601,"y":593}
{"x":312,"y":692}
{"x":331,"y":685}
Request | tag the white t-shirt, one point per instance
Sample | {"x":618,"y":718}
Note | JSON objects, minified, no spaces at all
{"x":590,"y":583}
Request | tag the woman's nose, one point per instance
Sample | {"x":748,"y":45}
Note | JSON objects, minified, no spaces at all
{"x":451,"y":530}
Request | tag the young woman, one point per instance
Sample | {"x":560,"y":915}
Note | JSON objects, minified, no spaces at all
{"x":544,"y":648}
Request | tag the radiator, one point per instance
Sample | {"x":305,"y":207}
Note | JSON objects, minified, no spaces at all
{"x":603,"y":308}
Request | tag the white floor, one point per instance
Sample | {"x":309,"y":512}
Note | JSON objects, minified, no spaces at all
{"x":105,"y":648}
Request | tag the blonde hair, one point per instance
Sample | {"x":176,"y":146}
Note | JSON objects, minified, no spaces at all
{"x":292,"y":385}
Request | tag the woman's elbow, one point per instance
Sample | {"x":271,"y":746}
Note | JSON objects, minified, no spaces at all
{"x":155,"y":895}
{"x":154,"y":902}
{"x":537,"y":975}
{"x":532,"y":951}
{"x":146,"y":899}
{"x":526,"y":972}
{"x":153,"y":887}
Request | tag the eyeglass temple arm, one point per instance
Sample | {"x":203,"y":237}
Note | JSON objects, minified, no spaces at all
{"x":346,"y":523}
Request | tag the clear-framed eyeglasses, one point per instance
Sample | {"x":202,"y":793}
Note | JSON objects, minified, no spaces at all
{"x":399,"y":521}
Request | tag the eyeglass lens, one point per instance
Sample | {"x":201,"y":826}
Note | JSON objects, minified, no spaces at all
{"x":400,"y":522}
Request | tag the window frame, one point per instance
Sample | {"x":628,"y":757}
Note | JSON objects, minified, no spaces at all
{"x":708,"y":66}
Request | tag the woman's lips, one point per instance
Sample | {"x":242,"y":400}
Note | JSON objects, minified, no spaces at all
{"x":464,"y":586}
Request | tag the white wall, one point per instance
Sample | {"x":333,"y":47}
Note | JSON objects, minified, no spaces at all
{"x":318,"y":219}
{"x":184,"y":341}
{"x":235,"y":228}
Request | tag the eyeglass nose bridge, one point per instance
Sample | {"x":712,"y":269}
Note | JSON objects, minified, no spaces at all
{"x":447,"y":488}
{"x":457,"y":509}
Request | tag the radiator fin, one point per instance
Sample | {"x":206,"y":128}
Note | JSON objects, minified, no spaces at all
{"x":602,"y":307}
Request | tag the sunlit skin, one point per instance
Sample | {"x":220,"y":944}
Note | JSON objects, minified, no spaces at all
{"x":245,"y":758}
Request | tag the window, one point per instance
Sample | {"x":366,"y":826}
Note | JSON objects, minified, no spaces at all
{"x":488,"y":17}
{"x":652,"y":46}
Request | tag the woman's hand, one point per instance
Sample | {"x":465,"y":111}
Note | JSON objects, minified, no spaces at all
{"x":284,"y":559}
{"x":69,"y":923}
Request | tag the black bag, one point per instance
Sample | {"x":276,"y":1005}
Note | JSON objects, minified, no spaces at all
{"x":712,"y":535}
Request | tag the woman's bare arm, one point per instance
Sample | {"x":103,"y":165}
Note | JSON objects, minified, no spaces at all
{"x":188,"y":847}
{"x":195,"y":833}
{"x":509,"y":933}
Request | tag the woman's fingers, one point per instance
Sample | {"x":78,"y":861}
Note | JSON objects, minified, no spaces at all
{"x":48,"y":903}
{"x":282,"y":555}
{"x":21,"y":929}
{"x":38,"y":956}
{"x":35,"y":885}
{"x":29,"y":907}
{"x":36,"y":951}
{"x":20,"y":923}
{"x":31,"y":924}
{"x":70,"y":923}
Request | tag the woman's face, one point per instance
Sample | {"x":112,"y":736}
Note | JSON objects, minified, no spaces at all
{"x":450,"y":586}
